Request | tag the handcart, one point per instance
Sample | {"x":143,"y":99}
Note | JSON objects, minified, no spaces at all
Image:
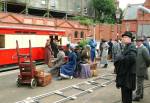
{"x":27,"y":68}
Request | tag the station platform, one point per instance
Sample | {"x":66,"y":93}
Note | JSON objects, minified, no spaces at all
{"x":10,"y":93}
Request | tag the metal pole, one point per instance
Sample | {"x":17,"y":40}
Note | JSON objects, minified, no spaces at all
{"x":81,"y":7}
{"x":94,"y":31}
{"x":27,"y":5}
{"x":142,"y":23}
{"x":5,"y":6}
{"x":67,"y":10}
{"x":48,"y":8}
{"x":117,"y":28}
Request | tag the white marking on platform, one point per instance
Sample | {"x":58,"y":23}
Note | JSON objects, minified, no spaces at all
{"x":9,"y":72}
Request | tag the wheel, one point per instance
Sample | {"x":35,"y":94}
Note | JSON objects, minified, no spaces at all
{"x":33,"y":83}
{"x":18,"y":82}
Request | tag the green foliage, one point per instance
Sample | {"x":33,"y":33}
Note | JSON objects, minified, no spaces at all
{"x":83,"y":43}
{"x":1,"y":6}
{"x":105,"y":10}
{"x":83,"y":20}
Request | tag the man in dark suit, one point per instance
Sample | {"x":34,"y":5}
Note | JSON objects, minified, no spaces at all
{"x":125,"y":66}
{"x":142,"y":63}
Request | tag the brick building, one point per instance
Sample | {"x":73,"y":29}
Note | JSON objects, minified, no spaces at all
{"x":136,"y":20}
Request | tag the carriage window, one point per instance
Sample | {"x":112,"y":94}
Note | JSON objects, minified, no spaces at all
{"x":82,"y":34}
{"x":2,"y":41}
{"x":76,"y":34}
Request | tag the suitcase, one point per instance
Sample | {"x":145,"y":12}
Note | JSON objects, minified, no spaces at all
{"x":44,"y":80}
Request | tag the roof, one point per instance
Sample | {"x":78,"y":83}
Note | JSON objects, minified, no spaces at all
{"x":131,"y":11}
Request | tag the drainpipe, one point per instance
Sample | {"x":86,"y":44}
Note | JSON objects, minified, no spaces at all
{"x":144,"y":9}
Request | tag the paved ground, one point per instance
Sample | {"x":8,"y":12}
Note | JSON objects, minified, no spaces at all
{"x":10,"y":93}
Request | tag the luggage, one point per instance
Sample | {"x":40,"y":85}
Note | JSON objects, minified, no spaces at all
{"x":93,"y":66}
{"x":85,"y":71}
{"x":94,"y":73}
{"x":44,"y":80}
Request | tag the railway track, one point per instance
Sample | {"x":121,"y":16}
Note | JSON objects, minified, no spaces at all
{"x":72,"y":92}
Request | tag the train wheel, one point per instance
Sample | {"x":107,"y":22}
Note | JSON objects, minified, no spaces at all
{"x":33,"y":83}
{"x":18,"y":82}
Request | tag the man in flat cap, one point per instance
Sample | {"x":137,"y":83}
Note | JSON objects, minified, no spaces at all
{"x":125,"y":66}
{"x":142,"y":63}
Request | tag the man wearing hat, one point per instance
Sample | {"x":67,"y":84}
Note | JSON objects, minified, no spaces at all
{"x":142,"y":63}
{"x":125,"y":66}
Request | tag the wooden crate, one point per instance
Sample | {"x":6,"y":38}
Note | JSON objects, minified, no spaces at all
{"x":93,"y":66}
{"x":44,"y":80}
{"x":94,"y":72}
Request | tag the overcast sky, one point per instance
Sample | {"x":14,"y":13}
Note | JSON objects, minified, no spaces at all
{"x":124,"y":3}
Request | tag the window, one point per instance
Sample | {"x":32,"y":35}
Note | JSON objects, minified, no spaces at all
{"x":2,"y":41}
{"x":76,"y":34}
{"x":82,"y":34}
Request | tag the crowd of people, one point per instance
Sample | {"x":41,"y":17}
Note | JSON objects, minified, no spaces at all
{"x":74,"y":55}
{"x":131,"y":58}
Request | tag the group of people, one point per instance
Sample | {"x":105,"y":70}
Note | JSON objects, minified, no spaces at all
{"x":109,"y":50}
{"x":131,"y":61}
{"x":131,"y":68}
{"x":74,"y":54}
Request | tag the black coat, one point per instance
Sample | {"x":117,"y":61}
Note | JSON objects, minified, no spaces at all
{"x":125,"y":66}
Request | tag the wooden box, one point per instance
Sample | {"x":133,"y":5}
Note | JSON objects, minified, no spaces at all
{"x":93,"y":66}
{"x":44,"y":80}
{"x":94,"y":72}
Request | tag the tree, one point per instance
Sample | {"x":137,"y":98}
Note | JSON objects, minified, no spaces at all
{"x":104,"y":10}
{"x":1,"y":6}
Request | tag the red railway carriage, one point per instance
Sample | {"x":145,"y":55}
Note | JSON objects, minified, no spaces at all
{"x":38,"y":37}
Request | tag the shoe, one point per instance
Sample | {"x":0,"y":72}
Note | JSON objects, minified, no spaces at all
{"x":146,"y":78}
{"x":71,"y":77}
{"x":105,"y":66}
{"x":59,"y":78}
{"x":136,"y":99}
{"x":141,"y":97}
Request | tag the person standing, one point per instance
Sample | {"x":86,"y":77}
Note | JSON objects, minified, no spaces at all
{"x":142,"y":63}
{"x":54,"y":47}
{"x":116,"y":49}
{"x":104,"y":56}
{"x":147,"y":45}
{"x":93,"y":45}
{"x":125,"y":66}
{"x":110,"y":49}
{"x":48,"y":52}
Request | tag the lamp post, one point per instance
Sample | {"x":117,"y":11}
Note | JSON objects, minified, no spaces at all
{"x":94,"y":25}
{"x":117,"y":18}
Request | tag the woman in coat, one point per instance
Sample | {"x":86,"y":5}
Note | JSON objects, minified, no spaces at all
{"x":67,"y":70}
{"x":93,"y":45}
{"x":104,"y":57}
{"x":48,"y":52}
